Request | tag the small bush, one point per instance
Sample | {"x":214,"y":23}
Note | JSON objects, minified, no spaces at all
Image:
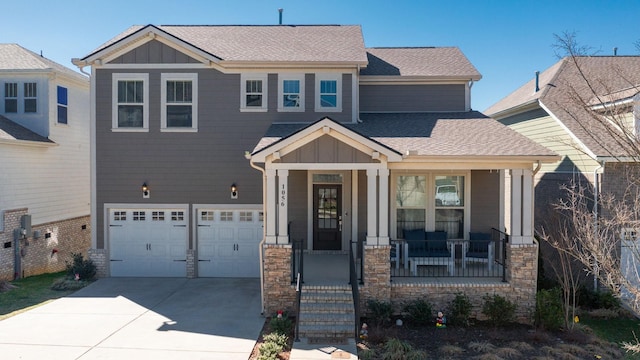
{"x":396,"y":349}
{"x":459,"y":311}
{"x":281,"y":325}
{"x":280,"y":339}
{"x":270,"y":351}
{"x":499,"y":310}
{"x":85,"y":269}
{"x":549,"y":309}
{"x":67,"y":283}
{"x":379,"y":312}
{"x":590,"y":299}
{"x":420,"y":311}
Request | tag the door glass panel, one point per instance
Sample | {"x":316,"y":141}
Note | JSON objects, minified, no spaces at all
{"x":327,"y":208}
{"x":327,"y":178}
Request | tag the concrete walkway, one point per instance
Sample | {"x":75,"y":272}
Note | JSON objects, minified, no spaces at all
{"x":141,"y":318}
{"x":304,"y":351}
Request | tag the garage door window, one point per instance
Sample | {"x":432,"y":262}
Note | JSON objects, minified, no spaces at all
{"x":139,"y":215}
{"x":119,"y":216}
{"x":177,"y":215}
{"x":226,"y":216}
{"x":246,"y":216}
{"x":206,"y":215}
{"x":157,"y":216}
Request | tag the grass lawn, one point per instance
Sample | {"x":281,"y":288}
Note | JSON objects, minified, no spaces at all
{"x":30,"y":292}
{"x":615,"y":330}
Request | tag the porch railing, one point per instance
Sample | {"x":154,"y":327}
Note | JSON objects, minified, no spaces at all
{"x":459,"y":258}
{"x":353,"y":280}
{"x":297,"y":263}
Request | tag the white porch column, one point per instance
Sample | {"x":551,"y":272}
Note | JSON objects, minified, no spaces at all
{"x":516,"y":206}
{"x":383,"y":208}
{"x":372,"y":204}
{"x":283,"y":206}
{"x":528,"y":205}
{"x":270,"y":232}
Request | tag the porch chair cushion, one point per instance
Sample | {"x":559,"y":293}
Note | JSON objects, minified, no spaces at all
{"x":478,"y":245}
{"x":437,"y":244}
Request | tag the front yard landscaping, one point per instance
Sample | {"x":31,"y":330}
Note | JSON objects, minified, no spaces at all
{"x":24,"y":294}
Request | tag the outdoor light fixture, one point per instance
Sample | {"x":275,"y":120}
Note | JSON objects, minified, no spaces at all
{"x":145,"y":191}
{"x":234,"y":191}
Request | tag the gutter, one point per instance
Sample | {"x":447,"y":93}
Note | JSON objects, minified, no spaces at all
{"x":247,"y":155}
{"x":596,"y":194}
{"x":81,"y":64}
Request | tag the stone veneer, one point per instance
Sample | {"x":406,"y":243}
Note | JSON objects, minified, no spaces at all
{"x":520,"y":287}
{"x":48,"y":253}
{"x":279,"y":294}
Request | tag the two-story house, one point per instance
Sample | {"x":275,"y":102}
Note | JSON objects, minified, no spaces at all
{"x":44,"y":163}
{"x":216,"y":148}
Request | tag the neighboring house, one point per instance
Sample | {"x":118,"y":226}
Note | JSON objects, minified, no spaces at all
{"x":215,"y":147}
{"x":559,"y":110}
{"x":44,"y":161}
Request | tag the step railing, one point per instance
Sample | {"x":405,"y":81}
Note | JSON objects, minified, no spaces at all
{"x":353,"y":280}
{"x":298,"y":257}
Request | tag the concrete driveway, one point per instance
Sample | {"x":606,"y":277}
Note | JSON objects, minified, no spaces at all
{"x":141,"y":318}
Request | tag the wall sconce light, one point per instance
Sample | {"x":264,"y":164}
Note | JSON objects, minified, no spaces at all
{"x":234,"y":191}
{"x":145,"y":191}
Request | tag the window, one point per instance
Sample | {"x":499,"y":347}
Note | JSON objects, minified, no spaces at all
{"x":328,"y":94}
{"x":207,"y":215}
{"x":226,"y":216}
{"x":157,"y":215}
{"x":119,"y":216}
{"x":130,"y":94}
{"x":139,"y":216}
{"x":179,"y":102}
{"x":30,"y":97}
{"x":177,"y":216}
{"x":246,"y":216}
{"x":291,"y":93}
{"x":253,"y":92}
{"x":431,"y":202}
{"x":62,"y":105}
{"x":10,"y":97}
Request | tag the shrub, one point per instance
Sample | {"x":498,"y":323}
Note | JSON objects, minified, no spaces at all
{"x":459,"y":311}
{"x":280,"y":339}
{"x":420,"y":311}
{"x":282,"y":325}
{"x":591,"y":299}
{"x":499,"y":310}
{"x":269,"y":351}
{"x":85,"y":269}
{"x":380,"y":312}
{"x":549,"y":309}
{"x":396,"y":349}
{"x":67,"y":283}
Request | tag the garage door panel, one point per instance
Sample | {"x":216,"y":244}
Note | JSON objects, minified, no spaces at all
{"x":228,"y":242}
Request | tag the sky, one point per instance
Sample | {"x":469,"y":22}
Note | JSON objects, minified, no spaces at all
{"x":506,"y":40}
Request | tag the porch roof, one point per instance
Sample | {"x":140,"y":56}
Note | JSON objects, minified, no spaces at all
{"x":468,"y":134}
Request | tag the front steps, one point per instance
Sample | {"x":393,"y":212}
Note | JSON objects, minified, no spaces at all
{"x":326,"y":312}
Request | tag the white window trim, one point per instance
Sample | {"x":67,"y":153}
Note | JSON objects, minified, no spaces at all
{"x":243,"y":93}
{"x":281,"y":79}
{"x":193,"y":77}
{"x":25,"y":97}
{"x":338,"y":79}
{"x":144,"y":77}
{"x":430,"y":209}
{"x":58,"y":104}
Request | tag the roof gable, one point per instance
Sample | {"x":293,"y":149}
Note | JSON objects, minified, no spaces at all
{"x":15,"y":57}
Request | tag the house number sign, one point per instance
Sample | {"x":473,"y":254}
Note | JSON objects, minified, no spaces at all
{"x":283,"y":195}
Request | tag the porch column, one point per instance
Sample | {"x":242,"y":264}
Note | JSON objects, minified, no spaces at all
{"x":521,"y":206}
{"x":372,"y":202}
{"x":283,"y":206}
{"x":270,"y":232}
{"x":383,"y":220}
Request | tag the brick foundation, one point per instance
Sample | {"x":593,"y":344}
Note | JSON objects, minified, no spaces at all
{"x":47,"y":253}
{"x":100,"y":259}
{"x":377,"y":275}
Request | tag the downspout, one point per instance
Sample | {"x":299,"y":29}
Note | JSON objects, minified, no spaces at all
{"x":535,"y":171}
{"x":596,"y":194}
{"x":247,"y":155}
{"x":80,"y":64}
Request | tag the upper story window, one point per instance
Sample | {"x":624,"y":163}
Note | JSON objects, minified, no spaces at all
{"x":179,"y":102}
{"x":130,"y":94}
{"x":30,"y":97}
{"x":291,"y":92}
{"x":63,"y":103}
{"x":253,"y":92}
{"x":10,"y":97}
{"x":328,"y":94}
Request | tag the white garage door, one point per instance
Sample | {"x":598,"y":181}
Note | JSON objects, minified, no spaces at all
{"x":148,"y":242}
{"x":228,"y":242}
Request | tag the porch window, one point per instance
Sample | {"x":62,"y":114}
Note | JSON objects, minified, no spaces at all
{"x":179,"y":102}
{"x":130,"y":94}
{"x":430,"y":202}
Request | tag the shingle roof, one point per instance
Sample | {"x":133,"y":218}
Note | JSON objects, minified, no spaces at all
{"x":566,"y":94}
{"x":468,"y":134}
{"x":294,"y":43}
{"x":10,"y":130}
{"x":420,"y":61}
{"x":15,"y":57}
